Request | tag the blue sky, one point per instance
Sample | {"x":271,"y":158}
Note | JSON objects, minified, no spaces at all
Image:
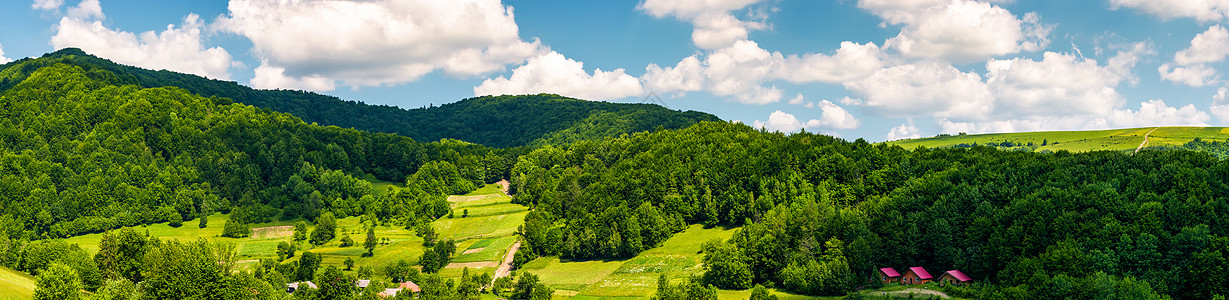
{"x":874,"y":69}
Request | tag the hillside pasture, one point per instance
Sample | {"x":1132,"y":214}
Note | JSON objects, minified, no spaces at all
{"x":1075,"y":141}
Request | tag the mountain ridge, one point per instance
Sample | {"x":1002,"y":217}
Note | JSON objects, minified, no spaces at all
{"x":486,"y":120}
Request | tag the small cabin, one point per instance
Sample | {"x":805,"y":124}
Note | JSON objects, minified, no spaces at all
{"x":916,"y":275}
{"x":954,"y":277}
{"x":887,"y":275}
{"x":290,"y":287}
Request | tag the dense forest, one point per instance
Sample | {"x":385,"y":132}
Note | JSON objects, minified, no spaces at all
{"x":503,"y":121}
{"x":82,"y":153}
{"x":818,"y":214}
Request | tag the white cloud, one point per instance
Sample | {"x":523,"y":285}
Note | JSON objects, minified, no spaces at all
{"x":1220,"y":107}
{"x":5,"y":60}
{"x":798,"y":99}
{"x":851,"y":61}
{"x":686,"y":76}
{"x":270,"y":77}
{"x":714,"y":26}
{"x":1196,"y":75}
{"x":1125,"y":60}
{"x":1210,"y":46}
{"x":554,"y":73}
{"x":742,"y":70}
{"x":1037,"y":123}
{"x":904,"y":131}
{"x":832,"y":116}
{"x":836,"y":117}
{"x":381,"y":42}
{"x":1207,"y":47}
{"x":781,"y":121}
{"x":47,"y":4}
{"x":1059,"y":84}
{"x":930,"y":88}
{"x":176,"y":49}
{"x":1200,"y":10}
{"x":1156,"y":113}
{"x":958,"y":30}
{"x":87,"y":9}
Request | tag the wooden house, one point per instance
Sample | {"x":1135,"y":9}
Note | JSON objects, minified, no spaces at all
{"x":916,"y":275}
{"x":954,"y":277}
{"x":887,"y":275}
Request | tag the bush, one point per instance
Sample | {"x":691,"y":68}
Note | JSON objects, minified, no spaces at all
{"x":236,"y":230}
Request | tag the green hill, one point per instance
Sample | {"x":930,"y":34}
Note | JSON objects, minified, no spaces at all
{"x":502,"y":121}
{"x":1075,"y":141}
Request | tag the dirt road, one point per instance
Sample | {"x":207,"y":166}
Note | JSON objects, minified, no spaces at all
{"x":506,"y":267}
{"x":1145,"y":143}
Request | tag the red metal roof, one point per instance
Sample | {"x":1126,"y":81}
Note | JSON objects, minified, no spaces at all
{"x":890,"y":272}
{"x":959,"y":275}
{"x":921,"y":273}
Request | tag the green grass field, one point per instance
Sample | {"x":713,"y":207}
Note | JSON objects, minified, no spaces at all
{"x":15,"y":285}
{"x":679,"y":257}
{"x":1078,"y":141}
{"x":378,"y":186}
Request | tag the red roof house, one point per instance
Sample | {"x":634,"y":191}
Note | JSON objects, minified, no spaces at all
{"x":916,"y":275}
{"x":887,"y":275}
{"x":954,"y":276}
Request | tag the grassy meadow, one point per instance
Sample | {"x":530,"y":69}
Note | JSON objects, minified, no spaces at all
{"x":678,"y":257}
{"x":1078,"y":141}
{"x":15,"y":285}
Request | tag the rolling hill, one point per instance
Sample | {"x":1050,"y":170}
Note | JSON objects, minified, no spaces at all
{"x":499,"y":121}
{"x":1076,"y":141}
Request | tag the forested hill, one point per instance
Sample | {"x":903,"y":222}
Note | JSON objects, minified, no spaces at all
{"x":503,"y":121}
{"x":81,"y":152}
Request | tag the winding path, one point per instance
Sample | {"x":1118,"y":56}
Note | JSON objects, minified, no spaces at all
{"x":1145,"y":143}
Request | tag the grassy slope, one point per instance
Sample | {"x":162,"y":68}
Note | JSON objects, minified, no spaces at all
{"x":15,"y":285}
{"x":635,"y":278}
{"x":1080,"y":141}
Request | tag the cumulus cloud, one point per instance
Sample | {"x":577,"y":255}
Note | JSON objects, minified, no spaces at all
{"x":554,"y":73}
{"x":1035,"y":123}
{"x":832,"y":116}
{"x":1200,"y":10}
{"x":958,"y":30}
{"x":3,"y":60}
{"x":1028,"y":90}
{"x":930,"y":88}
{"x":1156,"y":113}
{"x":271,"y":77}
{"x":798,"y":99}
{"x":177,"y":48}
{"x":1197,"y":75}
{"x":851,"y":61}
{"x":1059,"y":84}
{"x":781,"y":121}
{"x":836,"y":117}
{"x":715,"y":26}
{"x":1209,"y":46}
{"x":47,"y":4}
{"x":381,"y":42}
{"x":904,"y":131}
{"x":87,"y":9}
{"x":686,"y":76}
{"x":1220,"y":107}
{"x":743,"y":69}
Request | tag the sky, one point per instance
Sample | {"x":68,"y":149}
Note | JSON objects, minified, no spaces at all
{"x":873,"y":69}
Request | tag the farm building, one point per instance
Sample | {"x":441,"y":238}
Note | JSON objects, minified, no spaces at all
{"x":887,"y":275}
{"x":290,"y":287}
{"x":954,"y":276}
{"x":916,"y":275}
{"x":408,"y":285}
